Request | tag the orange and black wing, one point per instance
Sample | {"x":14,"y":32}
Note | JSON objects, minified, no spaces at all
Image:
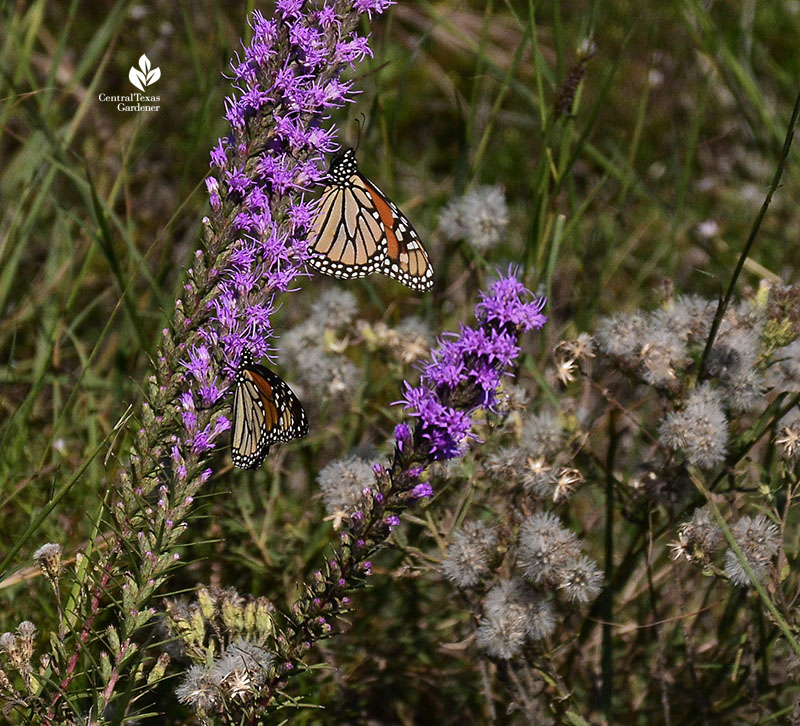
{"x":406,"y":259}
{"x":265,"y":410}
{"x":358,"y":231}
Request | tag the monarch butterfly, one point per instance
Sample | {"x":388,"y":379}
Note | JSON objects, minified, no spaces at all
{"x":358,"y":231}
{"x":264,"y":411}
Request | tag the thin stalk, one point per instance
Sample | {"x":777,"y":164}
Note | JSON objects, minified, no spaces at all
{"x":723,"y":304}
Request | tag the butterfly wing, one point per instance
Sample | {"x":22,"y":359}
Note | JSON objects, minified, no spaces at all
{"x":348,"y":232}
{"x":358,"y":230}
{"x":406,"y":259}
{"x":265,"y":410}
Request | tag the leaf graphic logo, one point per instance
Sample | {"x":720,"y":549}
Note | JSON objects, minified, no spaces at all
{"x":144,"y":75}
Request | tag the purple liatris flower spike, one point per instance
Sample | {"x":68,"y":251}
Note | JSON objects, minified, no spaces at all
{"x":463,"y":375}
{"x":285,"y":82}
{"x":465,"y":370}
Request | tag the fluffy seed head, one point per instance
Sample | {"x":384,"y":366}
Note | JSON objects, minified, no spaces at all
{"x":545,"y":548}
{"x":342,"y":483}
{"x":513,"y":613}
{"x":698,"y":537}
{"x":467,"y":559}
{"x":759,"y":540}
{"x":580,"y":580}
{"x":700,"y":430}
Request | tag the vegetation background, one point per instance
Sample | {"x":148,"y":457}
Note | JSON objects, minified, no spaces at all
{"x":657,"y":173}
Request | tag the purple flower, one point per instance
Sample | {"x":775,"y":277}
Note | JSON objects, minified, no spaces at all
{"x":285,"y":83}
{"x":465,"y":371}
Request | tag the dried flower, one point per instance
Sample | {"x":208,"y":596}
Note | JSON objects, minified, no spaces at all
{"x":566,"y":482}
{"x":580,"y":579}
{"x":546,"y":548}
{"x":538,"y":477}
{"x":479,"y":217}
{"x":759,"y":540}
{"x":620,"y":336}
{"x":698,"y":537}
{"x":468,"y":555}
{"x":342,"y":483}
{"x":48,"y":557}
{"x":513,"y":613}
{"x":700,"y":430}
{"x":198,"y":690}
{"x":789,"y":441}
{"x":542,"y":434}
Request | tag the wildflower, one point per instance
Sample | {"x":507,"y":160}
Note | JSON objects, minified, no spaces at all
{"x":566,"y":482}
{"x":580,"y":579}
{"x":759,"y":540}
{"x":789,"y":441}
{"x":565,"y":371}
{"x":744,"y":392}
{"x":339,"y":375}
{"x":466,"y":368}
{"x":542,"y":434}
{"x":698,"y":537}
{"x":569,"y":354}
{"x":415,"y":338}
{"x":662,"y":352}
{"x":513,"y":398}
{"x":505,"y":464}
{"x":545,"y":548}
{"x":620,"y":336}
{"x":342,"y":483}
{"x":479,"y":217}
{"x":468,"y":555}
{"x":9,"y":644}
{"x":48,"y":557}
{"x":785,"y":369}
{"x":198,"y":689}
{"x":578,"y":349}
{"x":242,"y":669}
{"x":700,"y":430}
{"x":690,"y":317}
{"x":26,"y":631}
{"x":513,"y":613}
{"x":538,"y":477}
{"x":334,"y":308}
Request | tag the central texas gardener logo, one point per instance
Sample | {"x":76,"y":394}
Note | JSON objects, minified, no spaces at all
{"x":144,"y":75}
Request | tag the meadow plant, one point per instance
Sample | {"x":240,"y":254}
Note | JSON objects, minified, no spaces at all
{"x":496,"y":527}
{"x":285,"y":81}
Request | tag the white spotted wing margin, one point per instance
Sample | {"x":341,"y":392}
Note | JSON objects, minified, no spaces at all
{"x":265,"y":411}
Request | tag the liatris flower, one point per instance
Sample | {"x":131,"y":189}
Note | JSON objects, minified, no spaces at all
{"x":759,"y":540}
{"x":464,"y":375}
{"x":466,"y":369}
{"x":285,"y":81}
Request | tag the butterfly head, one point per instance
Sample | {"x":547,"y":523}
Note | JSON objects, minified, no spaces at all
{"x":343,"y":166}
{"x":246,"y":358}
